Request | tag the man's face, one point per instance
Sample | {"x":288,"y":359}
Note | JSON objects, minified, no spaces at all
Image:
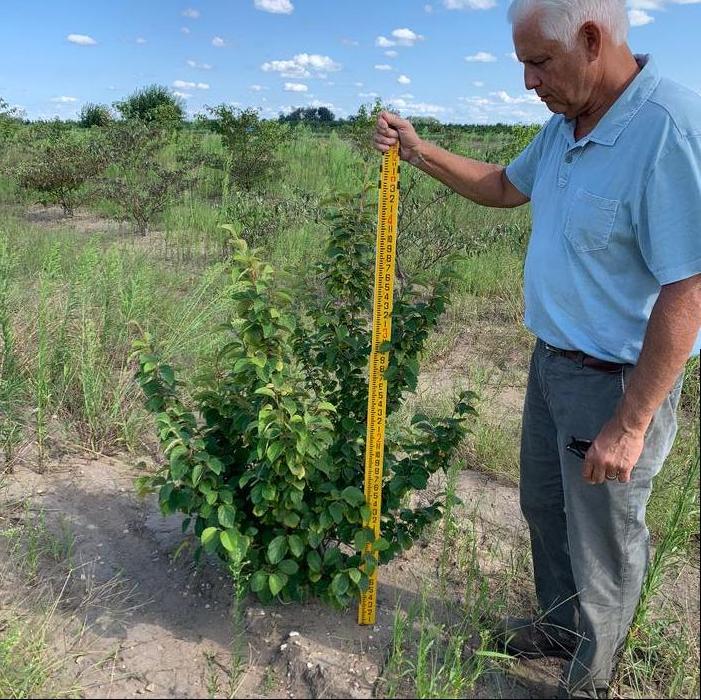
{"x":562,"y":78}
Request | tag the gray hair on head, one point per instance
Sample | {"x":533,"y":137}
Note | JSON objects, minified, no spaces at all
{"x":562,"y":19}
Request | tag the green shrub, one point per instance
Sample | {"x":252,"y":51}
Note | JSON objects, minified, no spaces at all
{"x":269,"y":464}
{"x":251,"y":144}
{"x":155,"y":105}
{"x":140,"y":184}
{"x":95,"y":115}
{"x":58,"y":167}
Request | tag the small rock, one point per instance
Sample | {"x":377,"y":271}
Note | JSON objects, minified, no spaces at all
{"x":125,"y":531}
{"x":293,"y":634}
{"x":283,"y":647}
{"x":150,"y":688}
{"x":207,"y":606}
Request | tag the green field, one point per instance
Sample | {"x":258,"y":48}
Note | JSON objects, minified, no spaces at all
{"x":76,"y":292}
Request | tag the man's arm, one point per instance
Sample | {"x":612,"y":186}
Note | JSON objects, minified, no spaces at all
{"x":484,"y":183}
{"x":672,"y":330}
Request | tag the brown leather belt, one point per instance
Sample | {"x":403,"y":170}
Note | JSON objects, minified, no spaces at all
{"x":584,"y":360}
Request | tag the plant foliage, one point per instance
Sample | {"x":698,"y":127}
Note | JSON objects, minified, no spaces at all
{"x":269,"y":465}
{"x":155,"y":105}
{"x":251,"y":144}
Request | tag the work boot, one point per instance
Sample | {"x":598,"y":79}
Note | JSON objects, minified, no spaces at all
{"x":534,"y":638}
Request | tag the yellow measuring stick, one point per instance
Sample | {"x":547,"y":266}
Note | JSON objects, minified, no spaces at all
{"x":385,"y":257}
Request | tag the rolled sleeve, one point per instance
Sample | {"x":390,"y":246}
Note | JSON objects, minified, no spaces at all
{"x":669,"y":230}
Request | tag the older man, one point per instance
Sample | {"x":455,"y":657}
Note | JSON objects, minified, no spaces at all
{"x":613,"y":295}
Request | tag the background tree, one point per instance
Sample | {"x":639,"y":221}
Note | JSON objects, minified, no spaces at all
{"x":155,"y":105}
{"x":251,"y":143}
{"x":95,"y":115}
{"x":58,"y":166}
{"x":141,"y":182}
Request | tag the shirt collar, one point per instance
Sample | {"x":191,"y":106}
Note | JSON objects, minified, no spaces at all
{"x":622,"y":111}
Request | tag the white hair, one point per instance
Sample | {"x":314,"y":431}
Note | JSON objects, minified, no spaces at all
{"x":562,"y":19}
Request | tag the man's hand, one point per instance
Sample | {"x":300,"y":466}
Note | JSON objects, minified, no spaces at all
{"x":613,"y":454}
{"x":391,"y":129}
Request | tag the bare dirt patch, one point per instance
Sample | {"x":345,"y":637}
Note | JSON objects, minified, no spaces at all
{"x":166,"y":627}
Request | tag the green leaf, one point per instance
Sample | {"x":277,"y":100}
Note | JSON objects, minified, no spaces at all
{"x":291,"y":519}
{"x":259,"y":580}
{"x":277,"y":549}
{"x":226,"y":515}
{"x":209,"y":538}
{"x":337,"y":509}
{"x":274,"y":450}
{"x":276,"y":582}
{"x":230,"y":540}
{"x":296,"y":545}
{"x":354,"y":575}
{"x":288,"y":566}
{"x":380,"y":544}
{"x":268,"y":492}
{"x":362,"y":538}
{"x":314,"y":561}
{"x":352,"y":495}
{"x":340,"y":583}
{"x":197,"y":474}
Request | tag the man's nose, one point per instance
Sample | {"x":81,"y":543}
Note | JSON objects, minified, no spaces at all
{"x":530,"y":78}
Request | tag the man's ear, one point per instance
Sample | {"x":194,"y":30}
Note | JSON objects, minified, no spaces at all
{"x":592,"y":39}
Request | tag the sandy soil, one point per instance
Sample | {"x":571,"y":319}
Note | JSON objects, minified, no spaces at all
{"x":153,"y":625}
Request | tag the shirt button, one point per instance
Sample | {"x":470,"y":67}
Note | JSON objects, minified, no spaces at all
{"x":568,"y":158}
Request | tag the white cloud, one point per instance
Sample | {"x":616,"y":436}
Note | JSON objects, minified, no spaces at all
{"x":428,"y":9}
{"x":64,"y":99}
{"x":184,"y":95}
{"x":218,"y":42}
{"x":403,"y":79}
{"x":295,"y":87}
{"x":512,"y":55}
{"x":392,"y":53}
{"x":504,"y":97}
{"x":185,"y":30}
{"x":140,"y":40}
{"x":382,"y":66}
{"x":639,"y":18}
{"x":349,"y":42}
{"x":406,"y":37}
{"x":189,"y":85}
{"x":200,"y":66}
{"x":478,"y":83}
{"x":81,"y":39}
{"x":257,"y":88}
{"x":481,"y":57}
{"x":303,"y":65}
{"x":371,"y":95}
{"x":278,"y":7}
{"x":500,"y":106}
{"x":383,"y":42}
{"x":190,"y":13}
{"x":407,"y":96}
{"x":469,"y":4}
{"x":418,"y":108}
{"x":358,"y":85}
{"x":402,"y":37}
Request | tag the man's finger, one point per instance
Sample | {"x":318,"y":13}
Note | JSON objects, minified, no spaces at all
{"x":588,"y":469}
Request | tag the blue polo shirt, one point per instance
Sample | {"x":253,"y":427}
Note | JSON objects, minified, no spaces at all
{"x":616,"y":215}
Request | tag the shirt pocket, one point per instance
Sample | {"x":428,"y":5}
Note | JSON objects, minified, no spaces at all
{"x":590,"y":221}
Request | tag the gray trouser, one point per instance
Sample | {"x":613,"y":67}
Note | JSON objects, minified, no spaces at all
{"x":589,"y":541}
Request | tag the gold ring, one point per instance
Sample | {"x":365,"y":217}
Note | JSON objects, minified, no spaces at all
{"x":612,"y":478}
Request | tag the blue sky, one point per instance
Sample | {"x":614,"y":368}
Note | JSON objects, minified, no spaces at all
{"x":450,"y":59}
